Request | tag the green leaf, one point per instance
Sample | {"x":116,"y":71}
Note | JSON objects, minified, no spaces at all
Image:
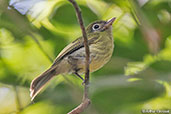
{"x":116,"y":93}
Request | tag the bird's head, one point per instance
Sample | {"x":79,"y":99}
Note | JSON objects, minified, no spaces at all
{"x":100,"y":26}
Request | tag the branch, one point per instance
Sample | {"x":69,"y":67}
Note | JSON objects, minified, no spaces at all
{"x":81,"y":107}
{"x":40,"y":47}
{"x":85,"y":103}
{"x":17,"y":99}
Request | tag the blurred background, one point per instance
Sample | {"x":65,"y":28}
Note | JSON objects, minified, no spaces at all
{"x":33,"y":32}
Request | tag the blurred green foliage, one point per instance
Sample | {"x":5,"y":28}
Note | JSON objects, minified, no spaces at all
{"x":137,"y":77}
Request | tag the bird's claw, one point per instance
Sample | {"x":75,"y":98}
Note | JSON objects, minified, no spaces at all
{"x":83,"y":83}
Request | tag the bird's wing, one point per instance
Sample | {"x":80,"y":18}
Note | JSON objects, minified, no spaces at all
{"x":72,"y":47}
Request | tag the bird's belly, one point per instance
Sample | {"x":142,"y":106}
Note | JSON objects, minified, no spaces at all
{"x":100,"y":57}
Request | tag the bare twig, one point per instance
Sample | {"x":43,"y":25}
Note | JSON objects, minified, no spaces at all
{"x":17,"y":99}
{"x":40,"y":47}
{"x":151,"y":35}
{"x":86,"y":100}
{"x":85,"y":103}
{"x":22,"y":24}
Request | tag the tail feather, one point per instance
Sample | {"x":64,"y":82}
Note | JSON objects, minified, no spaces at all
{"x":38,"y":83}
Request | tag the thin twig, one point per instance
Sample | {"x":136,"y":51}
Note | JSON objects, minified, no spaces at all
{"x":17,"y":99}
{"x":40,"y":47}
{"x":150,"y":34}
{"x":85,"y":103}
{"x":86,"y":100}
{"x":134,"y":12}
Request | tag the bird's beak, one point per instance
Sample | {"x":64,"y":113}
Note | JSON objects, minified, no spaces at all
{"x":109,"y":23}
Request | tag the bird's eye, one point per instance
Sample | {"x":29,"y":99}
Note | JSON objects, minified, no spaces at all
{"x":96,"y":27}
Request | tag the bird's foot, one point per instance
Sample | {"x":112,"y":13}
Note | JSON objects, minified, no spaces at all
{"x":83,"y":83}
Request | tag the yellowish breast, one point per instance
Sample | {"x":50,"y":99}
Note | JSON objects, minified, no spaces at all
{"x":100,"y":53}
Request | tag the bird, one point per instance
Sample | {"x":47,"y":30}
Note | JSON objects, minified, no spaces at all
{"x":71,"y":60}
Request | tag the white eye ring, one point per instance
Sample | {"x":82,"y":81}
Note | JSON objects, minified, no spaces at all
{"x":96,"y":26}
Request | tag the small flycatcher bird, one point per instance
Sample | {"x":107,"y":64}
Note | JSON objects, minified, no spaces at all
{"x":72,"y":58}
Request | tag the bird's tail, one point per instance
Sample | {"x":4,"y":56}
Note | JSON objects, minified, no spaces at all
{"x":38,"y":83}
